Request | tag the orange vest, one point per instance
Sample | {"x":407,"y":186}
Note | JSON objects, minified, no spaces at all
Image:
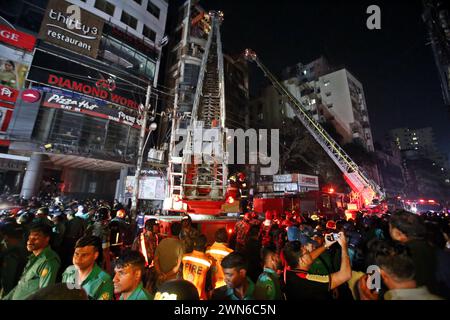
{"x":219,"y":251}
{"x":195,"y":268}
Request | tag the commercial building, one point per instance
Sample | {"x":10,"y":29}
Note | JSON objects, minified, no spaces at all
{"x":79,"y":121}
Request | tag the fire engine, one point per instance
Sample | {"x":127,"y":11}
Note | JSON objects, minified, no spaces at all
{"x":324,"y":204}
{"x":420,"y":206}
{"x":198,"y":181}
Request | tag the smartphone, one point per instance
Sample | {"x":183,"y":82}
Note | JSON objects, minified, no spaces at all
{"x":333,"y":237}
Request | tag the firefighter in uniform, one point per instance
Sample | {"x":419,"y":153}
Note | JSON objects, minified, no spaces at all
{"x":218,"y":251}
{"x":188,"y":233}
{"x":200,"y":268}
{"x":147,"y":241}
{"x":240,"y":232}
{"x":42,"y":266}
{"x":254,"y":220}
{"x":266,"y":228}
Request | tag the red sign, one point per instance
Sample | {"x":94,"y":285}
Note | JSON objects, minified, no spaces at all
{"x":30,"y":95}
{"x":17,"y":38}
{"x":78,"y":86}
{"x":8,"y":94}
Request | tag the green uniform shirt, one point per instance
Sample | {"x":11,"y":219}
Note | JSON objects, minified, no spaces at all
{"x":40,"y":272}
{"x":268,"y":286}
{"x":139,"y":294}
{"x":226,"y":293}
{"x":98,"y":285}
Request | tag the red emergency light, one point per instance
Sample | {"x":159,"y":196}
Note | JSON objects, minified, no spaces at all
{"x":421,"y":201}
{"x":431,"y":201}
{"x":230,"y":200}
{"x":331,"y":190}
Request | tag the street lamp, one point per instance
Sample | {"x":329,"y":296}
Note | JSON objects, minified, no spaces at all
{"x":140,"y":155}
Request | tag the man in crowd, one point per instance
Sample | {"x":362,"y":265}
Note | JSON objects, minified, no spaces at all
{"x":301,"y":285}
{"x":239,"y":235}
{"x":238,"y":285}
{"x":200,"y":268}
{"x":218,"y":251}
{"x":408,"y":229}
{"x":129,"y":269}
{"x":168,"y":255}
{"x":12,"y":259}
{"x":86,"y":273}
{"x":397,"y":271}
{"x":268,"y":285}
{"x":42,"y":266}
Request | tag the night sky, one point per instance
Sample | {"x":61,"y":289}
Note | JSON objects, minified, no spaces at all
{"x":394,"y":64}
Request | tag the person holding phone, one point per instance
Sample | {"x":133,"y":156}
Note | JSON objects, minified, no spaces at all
{"x":300,"y":284}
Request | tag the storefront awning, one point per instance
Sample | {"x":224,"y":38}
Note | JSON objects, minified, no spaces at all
{"x":84,"y":163}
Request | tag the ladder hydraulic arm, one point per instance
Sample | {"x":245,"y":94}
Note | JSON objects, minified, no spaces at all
{"x":354,"y":175}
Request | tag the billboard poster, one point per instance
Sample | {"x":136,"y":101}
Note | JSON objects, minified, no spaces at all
{"x":12,"y":73}
{"x":150,"y":188}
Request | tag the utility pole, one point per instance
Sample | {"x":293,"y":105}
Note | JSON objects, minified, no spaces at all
{"x":134,"y":199}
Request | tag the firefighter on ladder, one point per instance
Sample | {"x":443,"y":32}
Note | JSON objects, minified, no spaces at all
{"x":200,"y":268}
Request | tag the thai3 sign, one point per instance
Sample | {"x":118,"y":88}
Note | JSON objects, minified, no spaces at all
{"x":71,"y":27}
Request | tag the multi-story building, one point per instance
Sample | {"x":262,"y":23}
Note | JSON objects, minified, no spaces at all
{"x":89,"y":75}
{"x":417,"y":143}
{"x":425,"y":168}
{"x":390,"y":168}
{"x":328,"y":94}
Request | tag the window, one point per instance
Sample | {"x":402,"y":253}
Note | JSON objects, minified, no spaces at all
{"x":149,"y":33}
{"x":327,"y":83}
{"x":128,"y":20}
{"x":154,"y":10}
{"x":138,"y":1}
{"x":105,"y":6}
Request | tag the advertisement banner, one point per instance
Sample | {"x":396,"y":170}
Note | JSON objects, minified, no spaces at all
{"x":12,"y":73}
{"x":68,"y":26}
{"x":5,"y":118}
{"x":285,"y":187}
{"x":77,"y":103}
{"x":150,"y":188}
{"x":16,"y":38}
{"x":8,"y":94}
{"x":75,"y":77}
{"x":305,"y":180}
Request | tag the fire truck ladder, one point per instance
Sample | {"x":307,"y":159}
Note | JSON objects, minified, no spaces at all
{"x":354,"y":175}
{"x":204,"y":164}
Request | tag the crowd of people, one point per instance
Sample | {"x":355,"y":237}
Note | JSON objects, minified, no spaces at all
{"x":92,"y":250}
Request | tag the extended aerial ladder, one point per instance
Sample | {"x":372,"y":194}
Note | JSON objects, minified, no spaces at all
{"x":198,"y":178}
{"x":355,"y":176}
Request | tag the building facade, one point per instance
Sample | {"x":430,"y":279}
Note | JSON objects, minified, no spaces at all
{"x":330,"y":96}
{"x":89,"y":75}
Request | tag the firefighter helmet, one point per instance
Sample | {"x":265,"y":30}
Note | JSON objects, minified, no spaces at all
{"x":150,"y":223}
{"x":247,"y":216}
{"x":121,"y":213}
